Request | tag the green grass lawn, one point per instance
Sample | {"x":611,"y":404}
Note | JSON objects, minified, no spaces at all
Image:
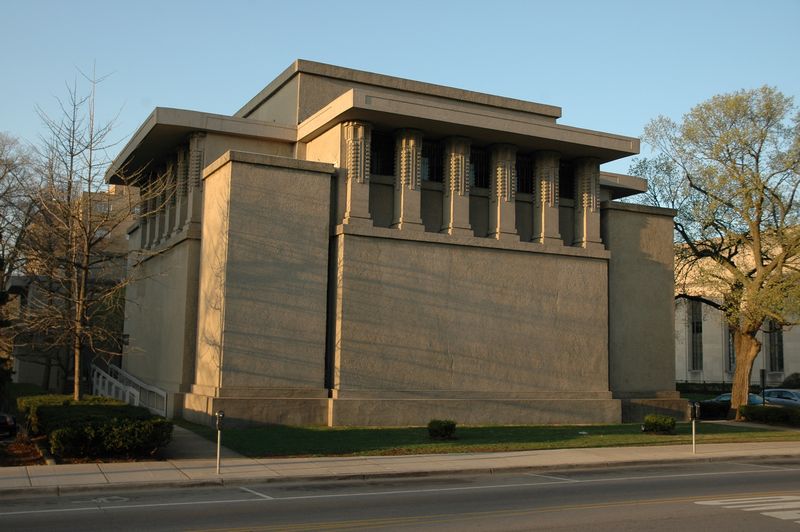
{"x":280,"y":440}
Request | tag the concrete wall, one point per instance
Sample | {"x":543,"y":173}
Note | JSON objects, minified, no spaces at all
{"x":281,"y":107}
{"x":161,"y":354}
{"x":264,"y":273}
{"x":641,"y":342}
{"x":427,"y":316}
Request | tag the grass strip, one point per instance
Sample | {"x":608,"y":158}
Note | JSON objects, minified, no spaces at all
{"x":281,"y":440}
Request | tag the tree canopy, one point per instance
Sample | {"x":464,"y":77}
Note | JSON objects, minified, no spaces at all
{"x":731,"y":169}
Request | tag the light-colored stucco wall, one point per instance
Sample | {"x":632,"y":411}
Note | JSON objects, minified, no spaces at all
{"x":428,"y":316}
{"x":715,"y":348}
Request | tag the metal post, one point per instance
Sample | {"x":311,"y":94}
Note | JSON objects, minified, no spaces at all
{"x":220,"y":415}
{"x":694,"y":448}
{"x":219,"y":446}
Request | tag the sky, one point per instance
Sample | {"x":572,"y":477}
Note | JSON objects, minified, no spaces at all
{"x":610,"y":65}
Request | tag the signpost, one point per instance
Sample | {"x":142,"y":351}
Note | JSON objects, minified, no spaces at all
{"x":694,"y":413}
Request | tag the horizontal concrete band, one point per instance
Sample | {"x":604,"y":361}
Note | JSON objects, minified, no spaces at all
{"x":239,"y":392}
{"x":402,"y":412}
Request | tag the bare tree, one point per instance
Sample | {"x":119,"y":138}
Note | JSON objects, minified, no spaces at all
{"x":16,"y":211}
{"x":731,"y":168}
{"x":76,"y":250}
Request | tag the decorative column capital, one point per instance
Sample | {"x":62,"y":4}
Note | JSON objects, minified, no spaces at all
{"x":357,"y":138}
{"x":456,"y":180}
{"x":587,"y":177}
{"x":408,"y":159}
{"x":504,"y":172}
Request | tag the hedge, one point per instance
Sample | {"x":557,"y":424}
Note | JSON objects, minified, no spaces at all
{"x":111,"y":437}
{"x":29,"y":405}
{"x":771,"y":414}
{"x":94,"y":426}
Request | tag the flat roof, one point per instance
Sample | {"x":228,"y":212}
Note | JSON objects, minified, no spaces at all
{"x":391,"y":82}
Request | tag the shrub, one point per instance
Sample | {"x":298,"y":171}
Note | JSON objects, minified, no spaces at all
{"x":771,"y":414}
{"x":111,"y":437}
{"x":441,"y":429}
{"x":791,"y":381}
{"x":29,"y":406}
{"x":659,"y":423}
{"x":50,"y":418}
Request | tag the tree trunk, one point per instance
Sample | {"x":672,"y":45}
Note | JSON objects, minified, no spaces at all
{"x":48,"y":364}
{"x":747,"y":347}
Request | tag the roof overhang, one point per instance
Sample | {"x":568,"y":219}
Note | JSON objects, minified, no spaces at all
{"x":165,"y":129}
{"x":483,"y":125}
{"x":622,"y":185}
{"x":409,"y":86}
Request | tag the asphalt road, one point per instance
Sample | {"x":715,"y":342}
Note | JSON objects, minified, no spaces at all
{"x":763,"y":495}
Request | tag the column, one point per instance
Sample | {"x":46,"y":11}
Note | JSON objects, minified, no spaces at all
{"x":144,"y":209}
{"x":407,"y":177}
{"x":356,"y":163}
{"x":545,"y":198}
{"x":455,"y":192}
{"x":181,"y":189}
{"x":169,"y":208}
{"x":587,"y":203}
{"x":151,"y":211}
{"x":502,"y":193}
{"x":161,"y":200}
{"x":194,"y":206}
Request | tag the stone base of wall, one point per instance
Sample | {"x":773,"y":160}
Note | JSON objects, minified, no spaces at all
{"x":402,"y":412}
{"x":242,"y":411}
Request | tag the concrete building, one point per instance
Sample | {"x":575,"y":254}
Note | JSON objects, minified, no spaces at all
{"x":356,"y":249}
{"x":704,"y":350}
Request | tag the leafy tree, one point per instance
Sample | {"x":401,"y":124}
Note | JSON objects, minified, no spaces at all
{"x":731,"y":169}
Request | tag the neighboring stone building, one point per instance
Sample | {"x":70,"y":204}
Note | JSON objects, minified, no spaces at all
{"x":704,"y":350}
{"x":356,"y":249}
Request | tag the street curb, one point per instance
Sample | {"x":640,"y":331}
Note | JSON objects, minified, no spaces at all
{"x":241,"y":481}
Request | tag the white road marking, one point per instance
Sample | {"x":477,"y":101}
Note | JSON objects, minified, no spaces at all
{"x":789,"y":504}
{"x":552,"y":477}
{"x":254,"y":492}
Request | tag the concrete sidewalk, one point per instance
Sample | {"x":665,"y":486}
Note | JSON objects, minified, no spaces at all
{"x":190,"y":461}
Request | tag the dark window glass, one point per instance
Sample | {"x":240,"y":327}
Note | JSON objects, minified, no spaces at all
{"x":525,"y":174}
{"x":730,"y":353}
{"x":432,"y":161}
{"x":479,"y":168}
{"x":566,"y":181}
{"x":774,"y":337}
{"x":381,"y":154}
{"x":696,"y":329}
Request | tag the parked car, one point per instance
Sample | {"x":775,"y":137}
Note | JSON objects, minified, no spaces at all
{"x":8,"y":425}
{"x":783,"y":397}
{"x":718,"y":407}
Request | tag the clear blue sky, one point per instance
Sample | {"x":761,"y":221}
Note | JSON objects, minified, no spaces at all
{"x":611,"y":65}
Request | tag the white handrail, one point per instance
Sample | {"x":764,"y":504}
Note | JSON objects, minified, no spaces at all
{"x":119,"y":384}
